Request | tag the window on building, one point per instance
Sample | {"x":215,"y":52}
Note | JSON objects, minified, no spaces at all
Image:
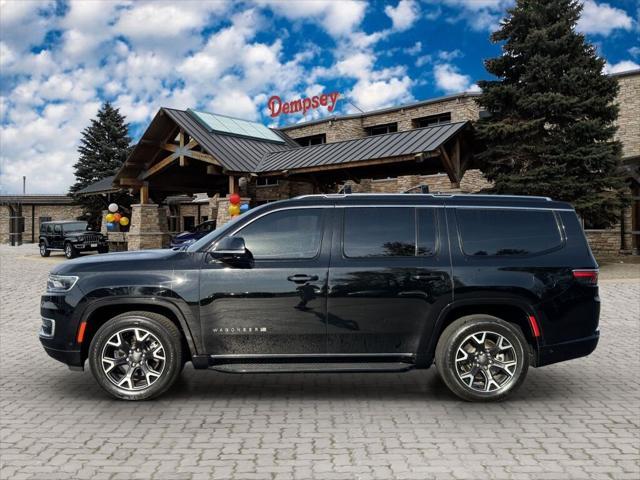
{"x":507,"y":232}
{"x":432,"y":120}
{"x":204,"y":218}
{"x":286,"y":234}
{"x":266,"y":182}
{"x":379,"y":232}
{"x":382,"y":129}
{"x":188,"y":222}
{"x":312,"y":140}
{"x":173,"y":224}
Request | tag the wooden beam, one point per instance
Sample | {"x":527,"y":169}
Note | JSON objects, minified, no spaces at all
{"x":187,"y":151}
{"x":130,"y":182}
{"x":449,"y":166}
{"x":144,"y":193}
{"x":346,"y":166}
{"x":203,"y":157}
{"x":233,"y":184}
{"x":212,"y":170}
{"x":184,"y":161}
{"x":161,"y":165}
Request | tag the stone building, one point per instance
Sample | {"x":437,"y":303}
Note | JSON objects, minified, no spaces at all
{"x":34,"y":209}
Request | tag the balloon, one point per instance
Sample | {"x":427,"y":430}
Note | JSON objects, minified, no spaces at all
{"x":234,"y":210}
{"x":244,"y":207}
{"x":117,"y":217}
{"x":124,"y":221}
{"x":113,"y":207}
{"x":234,"y":199}
{"x":111,"y":226}
{"x":109,"y":217}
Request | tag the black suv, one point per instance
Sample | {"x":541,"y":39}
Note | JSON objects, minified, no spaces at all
{"x":482,"y":286}
{"x":71,"y":236}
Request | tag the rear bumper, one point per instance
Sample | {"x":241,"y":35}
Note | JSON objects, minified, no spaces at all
{"x":560,"y":352}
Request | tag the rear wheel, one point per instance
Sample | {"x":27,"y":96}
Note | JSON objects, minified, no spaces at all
{"x":70,"y":251}
{"x":482,"y":358}
{"x":136,"y":355}
{"x":44,"y":251}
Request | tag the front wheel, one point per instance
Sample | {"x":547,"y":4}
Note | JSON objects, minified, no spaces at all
{"x":70,"y":251}
{"x":482,"y":358}
{"x":136,"y":355}
{"x":44,"y":251}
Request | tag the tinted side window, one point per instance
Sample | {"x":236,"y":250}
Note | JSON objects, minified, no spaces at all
{"x":507,"y":232}
{"x":57,"y":228}
{"x":294,"y":234}
{"x":379,"y":232}
{"x":426,"y":218}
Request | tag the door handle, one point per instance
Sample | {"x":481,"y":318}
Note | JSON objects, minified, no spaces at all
{"x":427,"y":276}
{"x":301,"y":278}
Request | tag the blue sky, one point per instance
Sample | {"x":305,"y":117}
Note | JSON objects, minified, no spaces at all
{"x":60,"y":59}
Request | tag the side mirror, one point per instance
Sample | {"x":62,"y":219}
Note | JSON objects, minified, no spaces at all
{"x":232,"y":250}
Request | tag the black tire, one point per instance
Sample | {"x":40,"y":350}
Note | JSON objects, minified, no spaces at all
{"x":70,"y":251}
{"x":44,"y":251}
{"x":103,"y":249}
{"x":164,"y":331}
{"x":491,"y":374}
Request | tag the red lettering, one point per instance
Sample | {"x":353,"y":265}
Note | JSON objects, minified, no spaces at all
{"x":274,"y":104}
{"x":333,"y":97}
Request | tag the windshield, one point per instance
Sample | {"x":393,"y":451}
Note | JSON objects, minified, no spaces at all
{"x":74,"y":227}
{"x":204,"y":241}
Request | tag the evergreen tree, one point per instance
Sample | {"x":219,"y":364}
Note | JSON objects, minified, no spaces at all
{"x":552,"y":112}
{"x":104,"y":147}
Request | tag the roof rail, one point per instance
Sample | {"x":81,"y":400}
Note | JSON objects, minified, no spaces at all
{"x":435,"y":194}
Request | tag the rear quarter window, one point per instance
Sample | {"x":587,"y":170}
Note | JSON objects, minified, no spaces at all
{"x":504,"y":232}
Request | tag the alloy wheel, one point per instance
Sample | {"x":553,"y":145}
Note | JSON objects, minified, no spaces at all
{"x":133,"y":359}
{"x":486,"y":362}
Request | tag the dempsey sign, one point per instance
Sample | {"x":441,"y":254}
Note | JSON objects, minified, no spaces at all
{"x":302,"y":105}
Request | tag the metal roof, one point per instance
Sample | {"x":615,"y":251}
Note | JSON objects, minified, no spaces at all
{"x":235,"y":153}
{"x":101,"y":186}
{"x":420,"y":140}
{"x":37,"y":199}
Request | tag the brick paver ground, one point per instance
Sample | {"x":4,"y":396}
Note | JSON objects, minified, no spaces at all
{"x":576,"y":420}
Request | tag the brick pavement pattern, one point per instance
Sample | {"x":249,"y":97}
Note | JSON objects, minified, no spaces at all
{"x":576,"y":420}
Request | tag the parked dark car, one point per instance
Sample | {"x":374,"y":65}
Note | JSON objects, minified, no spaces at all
{"x":70,"y":236}
{"x":482,"y":286}
{"x":187,"y":238}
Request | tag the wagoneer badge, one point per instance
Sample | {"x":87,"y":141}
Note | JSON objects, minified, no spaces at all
{"x":240,"y":330}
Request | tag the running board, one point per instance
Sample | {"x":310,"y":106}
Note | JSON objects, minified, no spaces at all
{"x":313,"y":367}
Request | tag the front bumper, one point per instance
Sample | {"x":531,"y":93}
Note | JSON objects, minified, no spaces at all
{"x":559,"y":352}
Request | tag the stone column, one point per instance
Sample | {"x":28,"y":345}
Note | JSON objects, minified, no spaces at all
{"x":223,"y":210}
{"x":103,"y":222}
{"x":148,"y":227}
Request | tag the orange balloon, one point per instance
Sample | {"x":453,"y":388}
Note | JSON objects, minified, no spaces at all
{"x":116,"y":217}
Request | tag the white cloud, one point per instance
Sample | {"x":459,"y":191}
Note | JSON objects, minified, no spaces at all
{"x":415,"y":49}
{"x":634,"y":52}
{"x":450,"y":80}
{"x":622,"y":66}
{"x":480,"y":15}
{"x":602,"y":19}
{"x":337,"y":18}
{"x":369,"y":95}
{"x":403,"y":15}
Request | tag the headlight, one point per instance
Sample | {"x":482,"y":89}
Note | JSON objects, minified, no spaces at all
{"x":60,"y":283}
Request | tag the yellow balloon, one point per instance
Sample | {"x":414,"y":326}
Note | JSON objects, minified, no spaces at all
{"x":109,"y":217}
{"x":234,"y":210}
{"x":124,"y":221}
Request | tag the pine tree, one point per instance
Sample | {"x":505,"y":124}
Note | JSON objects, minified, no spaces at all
{"x":552,"y":113}
{"x":104,"y":147}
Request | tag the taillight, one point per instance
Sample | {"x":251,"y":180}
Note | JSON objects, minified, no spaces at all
{"x":586,"y":276}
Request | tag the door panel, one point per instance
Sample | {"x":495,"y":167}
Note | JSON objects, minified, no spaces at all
{"x":385,"y":304}
{"x":279,"y":305}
